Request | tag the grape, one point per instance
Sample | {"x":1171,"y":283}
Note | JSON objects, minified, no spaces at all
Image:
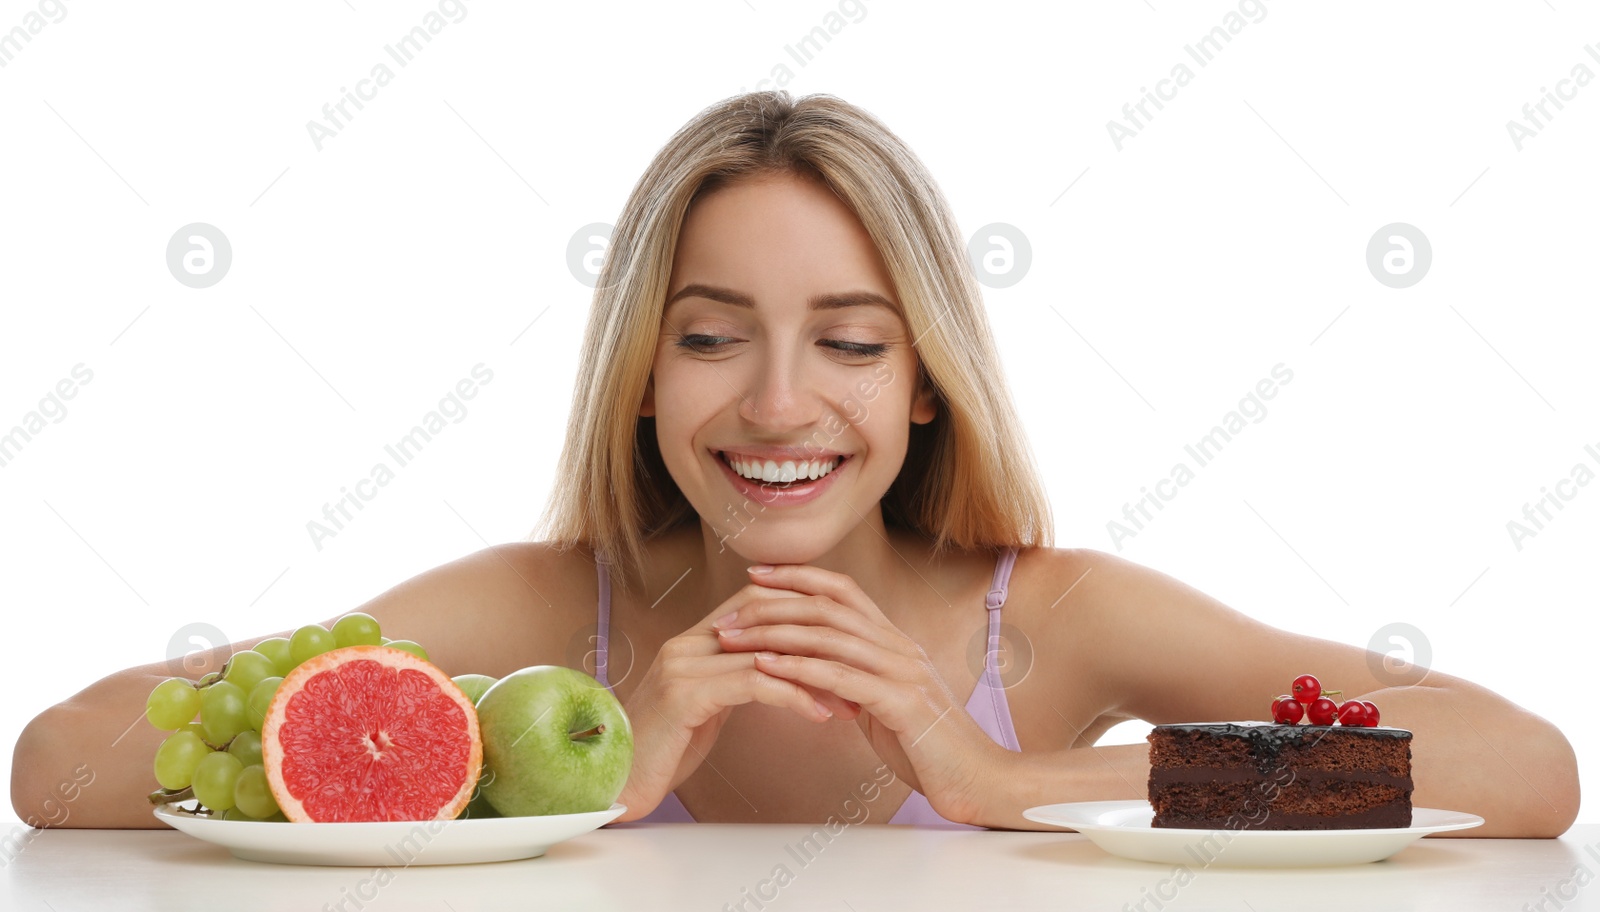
{"x":222,"y":712}
{"x":198,"y":729}
{"x":408,"y":646}
{"x":357,"y":629}
{"x":309,"y":642}
{"x":247,"y":747}
{"x":177,"y":758}
{"x":215,"y":745}
{"x":252,"y":794}
{"x":214,"y":779}
{"x":255,"y":706}
{"x":171,"y":704}
{"x":248,"y":668}
{"x":277,"y":649}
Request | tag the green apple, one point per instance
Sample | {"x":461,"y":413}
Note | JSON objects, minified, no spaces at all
{"x":478,"y":808}
{"x":474,"y":686}
{"x":555,"y":741}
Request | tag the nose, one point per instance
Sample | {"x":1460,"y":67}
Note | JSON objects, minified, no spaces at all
{"x":778,"y":395}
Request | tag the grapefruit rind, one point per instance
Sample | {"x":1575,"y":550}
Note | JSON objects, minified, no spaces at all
{"x":278,"y":724}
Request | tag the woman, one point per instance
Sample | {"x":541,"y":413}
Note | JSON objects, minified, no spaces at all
{"x":787,"y":285}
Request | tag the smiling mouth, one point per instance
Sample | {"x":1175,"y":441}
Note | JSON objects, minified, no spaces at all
{"x":787,"y":474}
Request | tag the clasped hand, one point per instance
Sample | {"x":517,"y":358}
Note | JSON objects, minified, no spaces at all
{"x":833,"y":638}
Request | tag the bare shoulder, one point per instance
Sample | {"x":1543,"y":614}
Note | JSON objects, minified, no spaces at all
{"x":1090,"y":585}
{"x":1052,"y":601}
{"x":1117,"y":619}
{"x":495,"y":610}
{"x":1050,"y":588}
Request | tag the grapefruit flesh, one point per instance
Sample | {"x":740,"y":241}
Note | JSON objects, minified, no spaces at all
{"x":369,"y":733}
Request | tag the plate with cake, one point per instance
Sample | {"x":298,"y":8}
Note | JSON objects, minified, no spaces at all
{"x":1265,"y":794}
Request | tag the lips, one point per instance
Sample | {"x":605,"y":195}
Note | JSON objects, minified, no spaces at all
{"x":777,"y":494}
{"x":783,"y":470}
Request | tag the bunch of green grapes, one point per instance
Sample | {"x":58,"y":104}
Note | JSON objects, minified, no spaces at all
{"x":214,"y":752}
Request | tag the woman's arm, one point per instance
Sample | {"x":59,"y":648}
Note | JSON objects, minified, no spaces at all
{"x":87,"y":761}
{"x":1169,"y":653}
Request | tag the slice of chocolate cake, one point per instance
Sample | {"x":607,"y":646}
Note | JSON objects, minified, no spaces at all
{"x":1263,"y":775}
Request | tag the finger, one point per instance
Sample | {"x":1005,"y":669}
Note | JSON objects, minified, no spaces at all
{"x":817,"y":581}
{"x":839,"y":706}
{"x":819,"y":611}
{"x":752,"y":685}
{"x":750,"y":593}
{"x":886,"y":700}
{"x":820,"y":643}
{"x":730,"y":663}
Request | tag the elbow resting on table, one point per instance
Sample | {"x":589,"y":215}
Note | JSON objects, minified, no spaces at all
{"x":1564,"y":795}
{"x":1547,"y":767}
{"x":37,"y":802}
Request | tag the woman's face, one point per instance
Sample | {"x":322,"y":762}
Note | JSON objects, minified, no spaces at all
{"x":753,"y":360}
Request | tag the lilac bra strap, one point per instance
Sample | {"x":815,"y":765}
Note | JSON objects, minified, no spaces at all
{"x":603,"y":632}
{"x":991,"y":671}
{"x":988,"y":705}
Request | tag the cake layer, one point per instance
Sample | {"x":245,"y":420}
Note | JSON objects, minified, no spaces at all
{"x":1272,"y":805}
{"x":1211,"y":774}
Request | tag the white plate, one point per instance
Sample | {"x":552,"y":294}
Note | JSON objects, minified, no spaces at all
{"x":1123,"y":829}
{"x":427,"y":842}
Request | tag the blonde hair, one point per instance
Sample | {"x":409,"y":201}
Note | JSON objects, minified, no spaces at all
{"x":968,"y":481}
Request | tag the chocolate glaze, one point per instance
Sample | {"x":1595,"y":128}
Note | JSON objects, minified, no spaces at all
{"x":1235,"y":728}
{"x":1268,"y":738}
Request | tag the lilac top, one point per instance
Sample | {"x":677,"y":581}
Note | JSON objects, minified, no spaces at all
{"x":987,"y":705}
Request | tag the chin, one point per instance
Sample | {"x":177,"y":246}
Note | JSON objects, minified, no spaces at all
{"x":775,"y":549}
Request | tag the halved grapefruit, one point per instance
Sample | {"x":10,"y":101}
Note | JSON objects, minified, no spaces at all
{"x":369,"y":733}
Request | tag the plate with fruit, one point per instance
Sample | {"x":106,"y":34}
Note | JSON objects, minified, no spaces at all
{"x":388,"y":844}
{"x":341,"y":747}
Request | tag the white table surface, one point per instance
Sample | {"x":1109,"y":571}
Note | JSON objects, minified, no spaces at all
{"x":866,"y":868}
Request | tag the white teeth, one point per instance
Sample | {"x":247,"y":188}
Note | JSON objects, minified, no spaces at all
{"x":756,"y":470}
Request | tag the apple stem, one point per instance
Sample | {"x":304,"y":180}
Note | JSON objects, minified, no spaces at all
{"x":597,"y":730}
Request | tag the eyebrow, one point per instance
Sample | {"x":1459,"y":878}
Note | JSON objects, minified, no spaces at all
{"x":832,"y":301}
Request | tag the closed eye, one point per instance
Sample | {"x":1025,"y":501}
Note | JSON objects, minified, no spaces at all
{"x":705,"y":345}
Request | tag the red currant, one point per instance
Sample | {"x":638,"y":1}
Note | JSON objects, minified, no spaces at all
{"x":1352,"y":713}
{"x":1275,"y":701}
{"x":1322,"y":711}
{"x":1287,"y":711}
{"x":1372,"y":713}
{"x":1306,"y":689}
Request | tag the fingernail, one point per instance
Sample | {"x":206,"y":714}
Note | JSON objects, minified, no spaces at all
{"x":769,"y":656}
{"x":823,"y":709}
{"x":725,"y":620}
{"x":731,"y":631}
{"x":760,"y":568}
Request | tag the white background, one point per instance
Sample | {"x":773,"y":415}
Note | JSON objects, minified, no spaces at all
{"x":1166,"y":279}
